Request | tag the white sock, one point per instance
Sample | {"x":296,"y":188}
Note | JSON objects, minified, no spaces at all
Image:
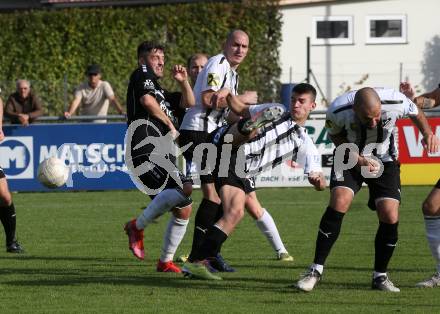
{"x":318,"y":267}
{"x":432,"y":226}
{"x":163,"y":202}
{"x":173,"y":236}
{"x":377,"y":274}
{"x":267,"y":226}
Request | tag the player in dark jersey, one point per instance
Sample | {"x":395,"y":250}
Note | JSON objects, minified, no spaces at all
{"x":7,"y":209}
{"x":152,"y":127}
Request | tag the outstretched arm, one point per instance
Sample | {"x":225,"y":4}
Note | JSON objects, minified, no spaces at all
{"x":430,"y":142}
{"x":181,"y":76}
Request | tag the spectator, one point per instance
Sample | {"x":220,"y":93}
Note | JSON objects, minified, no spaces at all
{"x":93,"y":96}
{"x":23,"y":106}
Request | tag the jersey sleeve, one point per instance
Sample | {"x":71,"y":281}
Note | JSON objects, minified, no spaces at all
{"x":143,"y":84}
{"x":214,"y":75}
{"x":409,"y":108}
{"x":332,"y":123}
{"x":309,"y":158}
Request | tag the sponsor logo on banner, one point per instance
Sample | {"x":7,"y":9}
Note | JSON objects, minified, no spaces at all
{"x":410,"y":142}
{"x":16,"y":157}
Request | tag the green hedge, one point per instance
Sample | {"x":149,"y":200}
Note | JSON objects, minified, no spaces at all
{"x":52,"y":48}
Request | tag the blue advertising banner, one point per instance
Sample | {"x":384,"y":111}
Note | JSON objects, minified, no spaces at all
{"x":95,"y":153}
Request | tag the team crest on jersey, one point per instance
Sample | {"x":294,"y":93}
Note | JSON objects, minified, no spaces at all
{"x":353,"y":126}
{"x":213,"y":79}
{"x":148,"y":84}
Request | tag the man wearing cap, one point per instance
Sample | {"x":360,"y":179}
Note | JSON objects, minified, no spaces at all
{"x":94,"y":96}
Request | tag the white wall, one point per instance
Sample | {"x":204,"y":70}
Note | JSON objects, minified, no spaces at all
{"x":334,"y":65}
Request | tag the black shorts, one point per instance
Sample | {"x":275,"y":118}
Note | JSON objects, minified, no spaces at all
{"x":192,"y":168}
{"x":2,"y":174}
{"x":244,"y":183}
{"x":386,"y":186}
{"x":154,"y":178}
{"x":437,"y":185}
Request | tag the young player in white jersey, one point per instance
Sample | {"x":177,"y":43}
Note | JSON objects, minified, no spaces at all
{"x":365,"y":118}
{"x":276,"y":143}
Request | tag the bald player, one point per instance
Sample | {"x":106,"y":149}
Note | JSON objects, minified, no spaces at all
{"x":365,"y":119}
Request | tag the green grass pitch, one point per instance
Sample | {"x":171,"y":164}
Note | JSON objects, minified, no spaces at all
{"x":77,"y":259}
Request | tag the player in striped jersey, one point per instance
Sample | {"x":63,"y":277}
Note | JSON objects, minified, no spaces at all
{"x":431,"y":205}
{"x":207,"y":216}
{"x":279,"y":141}
{"x":7,"y":208}
{"x":367,"y":119}
{"x":220,"y":72}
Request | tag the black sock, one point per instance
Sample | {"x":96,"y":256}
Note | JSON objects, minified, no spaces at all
{"x":328,"y":233}
{"x":384,"y":245}
{"x":212,"y":243}
{"x":206,"y":216}
{"x":7,"y":217}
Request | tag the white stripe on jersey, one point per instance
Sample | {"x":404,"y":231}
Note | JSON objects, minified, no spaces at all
{"x":276,"y":143}
{"x":215,"y":75}
{"x":395,"y":105}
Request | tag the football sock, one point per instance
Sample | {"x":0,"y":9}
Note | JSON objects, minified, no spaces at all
{"x":378,"y":274}
{"x":432,"y":226}
{"x":163,"y":202}
{"x":206,"y":216}
{"x":267,"y":226}
{"x":212,"y":243}
{"x":173,"y":236}
{"x":328,"y":233}
{"x":384,"y":245}
{"x":319,"y":268}
{"x":8,"y":219}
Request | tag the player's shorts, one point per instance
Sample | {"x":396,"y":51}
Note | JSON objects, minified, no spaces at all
{"x":245,"y":184}
{"x":437,"y":185}
{"x":2,"y":174}
{"x":153,"y":178}
{"x":386,"y":186}
{"x":192,"y":168}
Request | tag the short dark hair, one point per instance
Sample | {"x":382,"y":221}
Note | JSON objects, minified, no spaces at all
{"x":303,"y":88}
{"x":147,"y":46}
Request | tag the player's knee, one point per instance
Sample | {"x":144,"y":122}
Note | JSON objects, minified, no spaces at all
{"x":5,"y":198}
{"x":183,"y":213}
{"x":428,"y":208}
{"x":235,"y":215}
{"x":187,"y":189}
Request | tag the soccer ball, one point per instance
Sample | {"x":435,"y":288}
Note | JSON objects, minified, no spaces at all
{"x":52,"y":173}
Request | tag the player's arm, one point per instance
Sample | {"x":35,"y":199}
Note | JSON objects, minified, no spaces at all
{"x":181,"y":76}
{"x":430,"y":142}
{"x":152,"y":106}
{"x":248,"y":97}
{"x":317,"y":179}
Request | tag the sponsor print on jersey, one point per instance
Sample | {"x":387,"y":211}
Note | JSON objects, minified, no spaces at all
{"x":213,"y":79}
{"x":16,"y":157}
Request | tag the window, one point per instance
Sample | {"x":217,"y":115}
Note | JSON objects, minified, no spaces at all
{"x":332,"y":30}
{"x":386,"y":29}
